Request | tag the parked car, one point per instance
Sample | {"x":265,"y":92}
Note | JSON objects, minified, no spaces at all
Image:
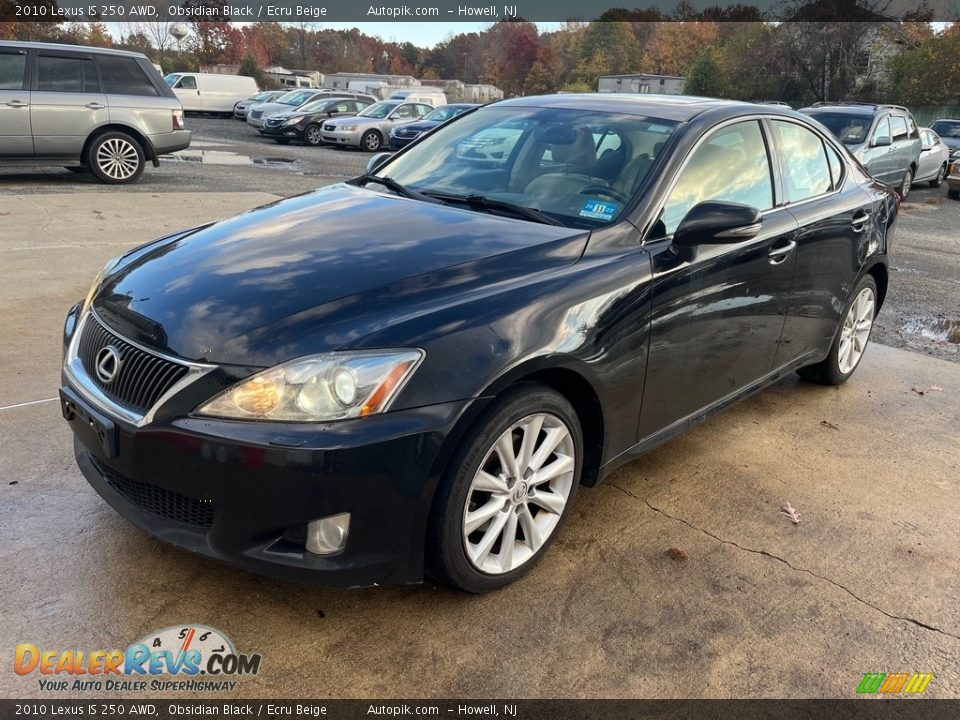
{"x":290,"y":100}
{"x":240,"y":109}
{"x":949,"y":131}
{"x":403,"y":135}
{"x":88,"y":109}
{"x":371,"y":127}
{"x":349,"y":410}
{"x":211,"y":93}
{"x":304,"y":123}
{"x":884,"y":138}
{"x":934,"y":159}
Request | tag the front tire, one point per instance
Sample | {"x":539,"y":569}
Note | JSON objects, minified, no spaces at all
{"x":313,"y":135}
{"x":852,"y":337}
{"x":371,"y":141}
{"x":115,"y":158}
{"x":508,"y":491}
{"x":941,"y":174}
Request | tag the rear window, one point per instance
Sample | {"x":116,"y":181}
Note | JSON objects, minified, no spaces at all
{"x":66,"y":74}
{"x":124,"y":76}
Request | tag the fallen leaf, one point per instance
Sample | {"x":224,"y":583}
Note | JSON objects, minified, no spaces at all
{"x":829,"y":425}
{"x":677,"y":554}
{"x":924,"y":391}
{"x":791,"y":514}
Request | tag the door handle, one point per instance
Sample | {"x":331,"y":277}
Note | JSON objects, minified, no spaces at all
{"x":95,"y":106}
{"x":17,"y":104}
{"x":859,"y":221}
{"x":779,"y":254}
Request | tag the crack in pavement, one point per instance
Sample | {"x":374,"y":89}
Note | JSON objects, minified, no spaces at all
{"x":786,"y":562}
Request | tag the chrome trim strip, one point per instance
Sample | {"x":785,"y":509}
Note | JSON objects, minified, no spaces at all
{"x":82,"y":383}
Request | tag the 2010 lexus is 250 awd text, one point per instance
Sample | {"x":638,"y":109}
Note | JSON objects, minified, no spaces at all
{"x":413,"y":372}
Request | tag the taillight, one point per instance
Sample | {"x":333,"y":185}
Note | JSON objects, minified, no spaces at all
{"x":178,"y":120}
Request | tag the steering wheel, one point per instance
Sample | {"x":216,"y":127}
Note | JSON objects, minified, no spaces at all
{"x":604,"y":190}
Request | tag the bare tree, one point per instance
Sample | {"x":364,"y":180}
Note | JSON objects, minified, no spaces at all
{"x":158,"y":32}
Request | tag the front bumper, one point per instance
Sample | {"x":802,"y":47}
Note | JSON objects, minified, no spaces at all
{"x":288,"y":131}
{"x":398,"y":143}
{"x":341,"y":137}
{"x":242,"y":493}
{"x":256,"y":123}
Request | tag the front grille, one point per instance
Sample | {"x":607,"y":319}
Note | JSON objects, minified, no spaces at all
{"x":256,"y":114}
{"x":143,"y":378}
{"x":407,"y":133}
{"x":158,"y":501}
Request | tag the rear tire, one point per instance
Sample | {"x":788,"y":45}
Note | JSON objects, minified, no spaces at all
{"x":941,"y":174}
{"x":507,"y":492}
{"x":852,"y":337}
{"x":115,"y":158}
{"x":906,"y":183}
{"x":313,"y":135}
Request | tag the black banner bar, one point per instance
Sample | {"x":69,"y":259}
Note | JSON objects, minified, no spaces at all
{"x":451,"y":11}
{"x":858,"y":709}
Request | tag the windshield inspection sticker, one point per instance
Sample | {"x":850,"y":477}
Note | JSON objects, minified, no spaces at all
{"x":597,"y":210}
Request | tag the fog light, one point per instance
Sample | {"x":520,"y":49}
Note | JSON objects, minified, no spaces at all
{"x":328,"y":535}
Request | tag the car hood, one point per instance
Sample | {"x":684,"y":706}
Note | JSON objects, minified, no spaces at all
{"x":291,"y":278}
{"x":357,"y":120}
{"x":272,"y":107}
{"x":422,"y":125}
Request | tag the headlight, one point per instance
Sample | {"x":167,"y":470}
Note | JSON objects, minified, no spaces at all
{"x":294,"y":120}
{"x":97,"y":282}
{"x":347,"y":128}
{"x":319,"y":388}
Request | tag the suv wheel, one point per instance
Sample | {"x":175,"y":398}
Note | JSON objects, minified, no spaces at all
{"x":905,"y":185}
{"x":371,"y":141}
{"x":508,"y":491}
{"x":941,"y":174}
{"x":851,"y":340}
{"x":115,"y":158}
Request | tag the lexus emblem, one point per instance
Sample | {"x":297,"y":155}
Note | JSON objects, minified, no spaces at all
{"x":108,"y":364}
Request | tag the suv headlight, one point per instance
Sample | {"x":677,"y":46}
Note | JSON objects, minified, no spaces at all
{"x":319,"y":388}
{"x":97,"y":282}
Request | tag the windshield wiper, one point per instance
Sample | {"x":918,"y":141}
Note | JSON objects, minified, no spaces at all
{"x":393,"y":185}
{"x":481,"y":201}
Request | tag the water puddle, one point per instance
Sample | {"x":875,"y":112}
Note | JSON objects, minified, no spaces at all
{"x":937,"y":329}
{"x":224,"y":157}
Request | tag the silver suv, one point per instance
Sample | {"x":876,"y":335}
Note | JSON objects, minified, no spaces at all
{"x":87,"y":109}
{"x":884,"y":138}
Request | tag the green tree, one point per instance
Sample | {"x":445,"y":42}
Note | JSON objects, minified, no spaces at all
{"x":250,"y":68}
{"x":705,"y":77}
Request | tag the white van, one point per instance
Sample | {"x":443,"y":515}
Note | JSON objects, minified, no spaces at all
{"x":435,"y":97}
{"x":208,"y":92}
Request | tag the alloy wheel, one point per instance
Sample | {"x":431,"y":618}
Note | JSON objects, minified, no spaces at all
{"x":855,"y":332}
{"x":518,"y":494}
{"x":118,"y":158}
{"x":313,"y":135}
{"x":371,"y":141}
{"x":907,"y":182}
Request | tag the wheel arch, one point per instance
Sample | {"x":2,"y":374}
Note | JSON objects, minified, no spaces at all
{"x":149,"y":152}
{"x":881,"y":276}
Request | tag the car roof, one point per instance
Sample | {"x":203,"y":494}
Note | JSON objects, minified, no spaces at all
{"x":667,"y":107}
{"x":861,"y":110}
{"x":61,"y":46}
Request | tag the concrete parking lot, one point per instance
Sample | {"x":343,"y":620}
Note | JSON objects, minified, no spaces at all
{"x":677,"y":578}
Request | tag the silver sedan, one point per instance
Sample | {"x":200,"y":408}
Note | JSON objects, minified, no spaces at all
{"x":371,"y":127}
{"x":934,"y":158}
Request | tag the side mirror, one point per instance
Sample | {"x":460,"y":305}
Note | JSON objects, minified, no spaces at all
{"x":376,"y":161}
{"x":882,"y":141}
{"x":715,"y":223}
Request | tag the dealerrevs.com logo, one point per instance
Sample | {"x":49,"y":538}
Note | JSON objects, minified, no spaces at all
{"x":184,"y":657}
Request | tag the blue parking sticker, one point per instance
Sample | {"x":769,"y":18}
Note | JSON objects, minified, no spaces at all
{"x":596,"y":210}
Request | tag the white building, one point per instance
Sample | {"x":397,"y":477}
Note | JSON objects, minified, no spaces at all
{"x":641,"y":83}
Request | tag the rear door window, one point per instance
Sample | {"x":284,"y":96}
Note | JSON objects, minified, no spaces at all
{"x":12,"y":66}
{"x":806,"y":172}
{"x":124,"y":76}
{"x":59,"y":74}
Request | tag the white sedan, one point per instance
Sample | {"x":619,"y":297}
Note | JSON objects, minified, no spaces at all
{"x":934,"y":157}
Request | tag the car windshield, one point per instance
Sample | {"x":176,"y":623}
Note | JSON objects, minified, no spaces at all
{"x":263,"y":96}
{"x":947,"y":128}
{"x":378,"y":110}
{"x":171,"y":79}
{"x":318,"y":105}
{"x":444,"y":113}
{"x":296,"y":98}
{"x":578,"y":168}
{"x":847,"y":128}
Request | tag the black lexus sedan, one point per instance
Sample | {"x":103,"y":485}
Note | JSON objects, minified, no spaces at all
{"x":405,"y":134}
{"x":413,"y":372}
{"x":303,"y":123}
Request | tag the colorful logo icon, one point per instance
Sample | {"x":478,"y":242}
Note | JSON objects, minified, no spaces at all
{"x":894,"y":683}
